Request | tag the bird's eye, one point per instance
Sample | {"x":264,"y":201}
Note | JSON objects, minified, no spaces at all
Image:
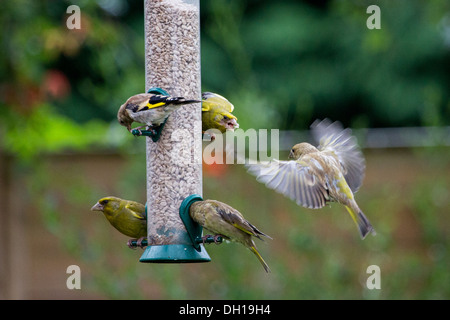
{"x":104,"y":202}
{"x":225,"y":117}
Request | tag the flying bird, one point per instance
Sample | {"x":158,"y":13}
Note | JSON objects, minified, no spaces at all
{"x":331,"y":172}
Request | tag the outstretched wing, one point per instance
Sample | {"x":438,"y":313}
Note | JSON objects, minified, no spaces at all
{"x":334,"y":140}
{"x":293,"y":179}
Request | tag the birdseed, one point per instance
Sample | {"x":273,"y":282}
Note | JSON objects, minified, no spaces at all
{"x":172,"y":46}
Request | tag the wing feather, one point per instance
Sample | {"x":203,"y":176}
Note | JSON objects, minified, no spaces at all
{"x":146,"y":101}
{"x":137,"y":210}
{"x":236,"y":219}
{"x":338,"y":142}
{"x":292,"y":179}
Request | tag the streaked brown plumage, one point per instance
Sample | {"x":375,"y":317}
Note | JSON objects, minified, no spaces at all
{"x":149,"y":109}
{"x":224,"y":220}
{"x":315,"y":176}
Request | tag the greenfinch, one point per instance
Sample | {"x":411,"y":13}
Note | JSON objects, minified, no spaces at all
{"x":149,"y":109}
{"x":216,"y":113}
{"x":227,"y":222}
{"x":332,"y":172}
{"x":128,"y":217}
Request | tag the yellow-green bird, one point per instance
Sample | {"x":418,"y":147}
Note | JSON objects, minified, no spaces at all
{"x":149,"y":109}
{"x":225,"y":221}
{"x":128,"y":217}
{"x":332,"y":172}
{"x":216,"y":113}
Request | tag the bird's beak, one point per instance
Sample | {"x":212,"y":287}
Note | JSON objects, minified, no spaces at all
{"x":97,"y":207}
{"x":291,"y":155}
{"x":230,"y":124}
{"x":234,"y":123}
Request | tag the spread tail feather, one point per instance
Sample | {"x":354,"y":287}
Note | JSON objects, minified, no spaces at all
{"x":364,"y":226}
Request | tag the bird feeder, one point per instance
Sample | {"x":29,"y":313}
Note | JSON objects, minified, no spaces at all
{"x":174,"y":167}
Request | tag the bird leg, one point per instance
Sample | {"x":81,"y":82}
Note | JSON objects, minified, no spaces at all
{"x":205,"y":237}
{"x":138,"y":129}
{"x":134,"y":243}
{"x":217,"y":237}
{"x":151,"y":128}
{"x":130,"y":244}
{"x":139,"y":242}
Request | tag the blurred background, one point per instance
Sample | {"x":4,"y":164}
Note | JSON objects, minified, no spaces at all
{"x":283,"y":64}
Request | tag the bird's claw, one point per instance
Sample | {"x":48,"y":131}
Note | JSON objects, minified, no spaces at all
{"x":130,"y":244}
{"x":134,"y":243}
{"x":139,"y":242}
{"x":205,"y":238}
{"x":218,"y":239}
{"x":138,"y":129}
{"x":152,"y":130}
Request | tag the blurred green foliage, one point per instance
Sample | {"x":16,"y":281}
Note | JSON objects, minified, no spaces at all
{"x":282,"y":64}
{"x":302,"y":60}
